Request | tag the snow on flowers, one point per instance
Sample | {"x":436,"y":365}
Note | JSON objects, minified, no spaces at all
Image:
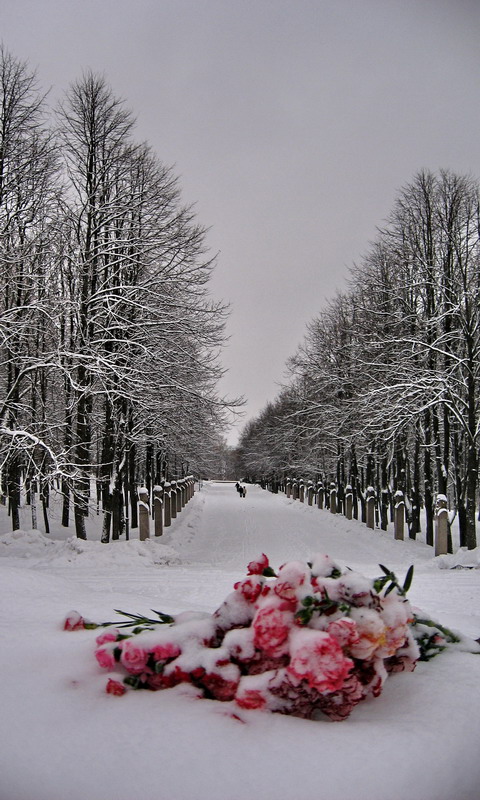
{"x":312,"y":639}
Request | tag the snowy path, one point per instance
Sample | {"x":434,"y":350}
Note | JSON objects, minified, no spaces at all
{"x":222,"y":532}
{"x":62,"y":736}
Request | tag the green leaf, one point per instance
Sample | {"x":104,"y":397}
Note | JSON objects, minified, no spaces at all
{"x":133,"y":681}
{"x":335,"y":573}
{"x":379,"y":583}
{"x":165,"y":618}
{"x":408,"y":579}
{"x":268,"y":572}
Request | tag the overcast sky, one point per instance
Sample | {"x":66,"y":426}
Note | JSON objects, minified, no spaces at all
{"x":291,"y":124}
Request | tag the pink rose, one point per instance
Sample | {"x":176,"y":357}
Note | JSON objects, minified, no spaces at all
{"x":115,"y":687}
{"x":108,"y":636}
{"x":271,"y":627}
{"x":165,"y":651}
{"x":250,"y":588}
{"x":344,"y":631}
{"x":371,"y":631}
{"x":256,"y":567}
{"x":291,"y":577}
{"x":105,"y":658}
{"x":133,"y":658}
{"x":317,"y":658}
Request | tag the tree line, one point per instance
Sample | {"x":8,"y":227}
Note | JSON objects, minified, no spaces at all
{"x":383,"y":393}
{"x":109,"y":339}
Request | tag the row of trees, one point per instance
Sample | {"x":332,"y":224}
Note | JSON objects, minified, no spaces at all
{"x":109,"y":339}
{"x":384,"y":391}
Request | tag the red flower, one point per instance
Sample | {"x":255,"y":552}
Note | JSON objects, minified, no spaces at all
{"x":251,"y":698}
{"x":291,"y":577}
{"x":271,"y":627}
{"x":219,"y":687}
{"x":108,"y":636}
{"x":344,"y":631}
{"x":165,"y":651}
{"x":105,"y":658}
{"x":249,"y":588}
{"x":133,"y":657}
{"x":256,"y":567}
{"x":115,"y":687}
{"x":317,"y":658}
{"x":73,"y":622}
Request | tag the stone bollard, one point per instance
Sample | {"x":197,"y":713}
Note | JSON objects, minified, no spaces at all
{"x":173,"y":499}
{"x":371,"y":507}
{"x":348,"y":502}
{"x":167,"y":506}
{"x":310,"y":493}
{"x":295,"y":490}
{"x":320,"y":495}
{"x":288,"y":487}
{"x":333,"y":499}
{"x":143,"y":514}
{"x":399,"y":515}
{"x":301,"y":491}
{"x":179,"y":496}
{"x":442,"y":527}
{"x":158,"y":509}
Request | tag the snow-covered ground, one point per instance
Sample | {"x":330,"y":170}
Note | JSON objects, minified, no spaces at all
{"x":62,"y":736}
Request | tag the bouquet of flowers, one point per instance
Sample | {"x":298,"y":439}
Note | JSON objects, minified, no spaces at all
{"x":312,"y":639}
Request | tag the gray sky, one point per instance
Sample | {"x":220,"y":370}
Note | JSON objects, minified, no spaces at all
{"x":290,"y":123}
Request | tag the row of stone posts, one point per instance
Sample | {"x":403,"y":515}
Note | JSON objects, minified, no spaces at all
{"x":168,"y":501}
{"x":298,"y":490}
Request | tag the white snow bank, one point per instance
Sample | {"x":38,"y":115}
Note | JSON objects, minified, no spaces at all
{"x":83,"y":553}
{"x":25,"y":544}
{"x":462,"y":558}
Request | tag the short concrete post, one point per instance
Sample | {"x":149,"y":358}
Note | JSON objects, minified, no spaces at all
{"x":295,"y":490}
{"x":442,"y":526}
{"x":179,"y":496}
{"x":173,"y":499}
{"x":158,"y":509}
{"x":143,"y":514}
{"x":288,"y":487}
{"x":301,"y":491}
{"x":333,"y":499}
{"x":167,"y":505}
{"x":399,"y":515}
{"x":348,"y":502}
{"x":371,"y":508}
{"x":320,"y":494}
{"x":310,"y":493}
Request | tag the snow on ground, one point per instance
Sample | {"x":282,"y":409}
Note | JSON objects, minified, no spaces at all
{"x":62,"y":736}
